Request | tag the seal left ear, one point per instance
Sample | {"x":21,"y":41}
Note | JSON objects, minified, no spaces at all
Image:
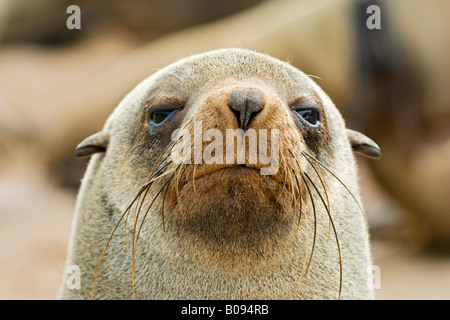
{"x":364,"y":145}
{"x":98,"y":142}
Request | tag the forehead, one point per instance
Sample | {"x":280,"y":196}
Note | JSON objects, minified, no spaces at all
{"x":202,"y":72}
{"x":190,"y":78}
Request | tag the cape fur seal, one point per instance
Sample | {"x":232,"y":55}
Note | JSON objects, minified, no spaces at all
{"x":149,"y":225}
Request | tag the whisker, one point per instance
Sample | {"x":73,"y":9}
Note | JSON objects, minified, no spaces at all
{"x":154,"y":174}
{"x":343,"y":184}
{"x":323,"y":178}
{"x":301,"y":201}
{"x":136,"y":237}
{"x":334,"y":230}
{"x":299,"y":186}
{"x":157,"y":194}
{"x":176,"y":187}
{"x":193,"y":178}
{"x":157,"y":172}
{"x":314,"y":239}
{"x":111,"y":236}
{"x":293,"y":220}
{"x":163,"y":210}
{"x":322,"y":181}
{"x":315,"y":228}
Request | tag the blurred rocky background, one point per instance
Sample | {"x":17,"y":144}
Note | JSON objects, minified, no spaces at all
{"x":57,"y":86}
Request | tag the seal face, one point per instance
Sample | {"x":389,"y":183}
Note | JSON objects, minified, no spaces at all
{"x":228,"y":174}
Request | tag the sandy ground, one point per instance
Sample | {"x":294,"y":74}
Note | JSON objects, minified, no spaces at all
{"x":35,"y":222}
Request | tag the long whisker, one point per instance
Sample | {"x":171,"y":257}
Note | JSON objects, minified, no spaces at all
{"x":156,"y":173}
{"x":136,"y":238}
{"x":315,"y":228}
{"x":299,"y":186}
{"x":163,"y":210}
{"x":128,"y":213}
{"x":335,"y":233}
{"x":167,"y":188}
{"x":157,"y":194}
{"x":343,"y":184}
{"x":293,"y":220}
{"x":177,"y":185}
{"x":314,"y":238}
{"x":111,"y":236}
{"x":322,"y":181}
{"x":321,"y":172}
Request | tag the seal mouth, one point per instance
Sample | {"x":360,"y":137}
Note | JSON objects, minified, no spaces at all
{"x":241,"y":169}
{"x":233,"y":171}
{"x":232,"y":185}
{"x":250,"y":172}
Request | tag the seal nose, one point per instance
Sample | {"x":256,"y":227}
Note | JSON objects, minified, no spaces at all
{"x":245,"y":105}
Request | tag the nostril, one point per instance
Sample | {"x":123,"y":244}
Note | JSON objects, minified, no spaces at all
{"x":245,"y":105}
{"x":238,"y":116}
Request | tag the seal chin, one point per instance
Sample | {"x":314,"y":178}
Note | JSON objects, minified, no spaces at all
{"x":234,"y":210}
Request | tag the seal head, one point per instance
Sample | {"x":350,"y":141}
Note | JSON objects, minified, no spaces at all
{"x":228,"y":174}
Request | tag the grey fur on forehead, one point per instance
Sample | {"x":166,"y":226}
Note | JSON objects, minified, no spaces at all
{"x":221,"y":64}
{"x":237,"y":62}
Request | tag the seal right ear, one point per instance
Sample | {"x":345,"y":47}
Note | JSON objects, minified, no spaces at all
{"x":98,"y":142}
{"x":363,"y":144}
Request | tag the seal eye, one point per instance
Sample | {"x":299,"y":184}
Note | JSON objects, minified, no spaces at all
{"x":159,"y":114}
{"x":307,"y":112}
{"x":311,"y":116}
